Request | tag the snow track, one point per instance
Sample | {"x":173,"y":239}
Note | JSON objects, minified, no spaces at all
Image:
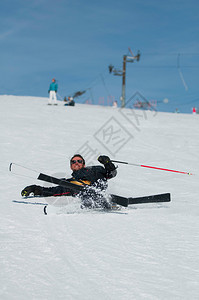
{"x":147,"y":251}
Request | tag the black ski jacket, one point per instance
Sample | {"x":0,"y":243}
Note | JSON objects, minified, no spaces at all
{"x":93,"y":176}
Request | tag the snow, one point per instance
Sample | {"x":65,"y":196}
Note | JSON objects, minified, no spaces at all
{"x":146,"y":251}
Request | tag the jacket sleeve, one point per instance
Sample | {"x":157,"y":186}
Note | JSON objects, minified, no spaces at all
{"x":111,"y":174}
{"x":110,"y":170}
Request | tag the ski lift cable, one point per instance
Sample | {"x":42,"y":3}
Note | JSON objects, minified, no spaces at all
{"x":180,"y":72}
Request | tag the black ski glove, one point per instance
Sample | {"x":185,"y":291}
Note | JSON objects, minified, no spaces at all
{"x":105,"y":160}
{"x":35,"y":189}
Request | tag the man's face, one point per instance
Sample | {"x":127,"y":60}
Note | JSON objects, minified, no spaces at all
{"x":76,"y":163}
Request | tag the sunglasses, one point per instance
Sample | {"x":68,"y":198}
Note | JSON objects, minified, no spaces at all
{"x":80,"y":161}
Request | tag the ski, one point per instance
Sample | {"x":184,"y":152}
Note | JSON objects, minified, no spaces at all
{"x":123,"y":201}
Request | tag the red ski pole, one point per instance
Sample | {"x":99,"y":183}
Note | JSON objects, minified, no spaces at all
{"x":151,"y":167}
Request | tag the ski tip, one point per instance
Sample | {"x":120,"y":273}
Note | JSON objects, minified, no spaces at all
{"x":45,"y":209}
{"x":169,"y":197}
{"x":164,"y":197}
{"x":10,"y":167}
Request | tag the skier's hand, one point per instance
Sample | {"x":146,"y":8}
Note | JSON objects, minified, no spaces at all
{"x":104,"y":159}
{"x":35,"y":189}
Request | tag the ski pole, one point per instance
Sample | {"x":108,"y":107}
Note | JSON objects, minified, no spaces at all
{"x":60,"y":97}
{"x":151,"y":167}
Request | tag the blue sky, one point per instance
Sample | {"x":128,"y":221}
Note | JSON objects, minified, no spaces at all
{"x":75,"y":41}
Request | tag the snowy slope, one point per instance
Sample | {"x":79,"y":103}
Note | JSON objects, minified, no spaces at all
{"x":143,"y":252}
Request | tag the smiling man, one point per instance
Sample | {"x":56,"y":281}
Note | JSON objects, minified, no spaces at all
{"x":94,"y":178}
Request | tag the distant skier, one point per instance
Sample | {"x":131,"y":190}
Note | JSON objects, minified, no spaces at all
{"x":115,"y":104}
{"x":177,"y":111}
{"x":53,"y":92}
{"x":94,"y":179}
{"x":69,"y":102}
{"x":193,"y":110}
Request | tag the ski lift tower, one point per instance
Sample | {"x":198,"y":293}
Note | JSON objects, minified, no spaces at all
{"x":126,"y":58}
